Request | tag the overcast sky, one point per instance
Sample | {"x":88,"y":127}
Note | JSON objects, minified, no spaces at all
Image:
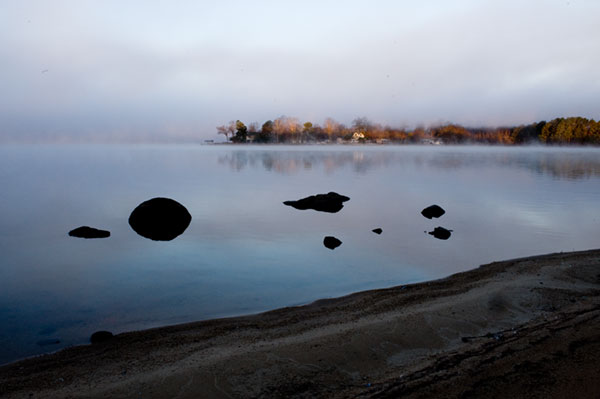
{"x":117,"y":69}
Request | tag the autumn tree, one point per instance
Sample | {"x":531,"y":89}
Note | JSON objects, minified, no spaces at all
{"x":527,"y":133}
{"x":307,"y":130}
{"x":417,"y":134}
{"x":574,"y":130}
{"x":241,"y":132}
{"x":451,"y":133}
{"x":265,"y":135}
{"x":393,"y":134}
{"x":286,"y":128}
{"x":492,"y":136}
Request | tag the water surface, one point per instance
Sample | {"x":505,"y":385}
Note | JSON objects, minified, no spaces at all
{"x":245,"y":251}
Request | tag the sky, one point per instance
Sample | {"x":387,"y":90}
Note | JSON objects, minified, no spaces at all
{"x":174,"y":70}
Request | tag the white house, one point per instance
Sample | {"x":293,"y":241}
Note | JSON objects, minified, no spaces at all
{"x":357,"y":136}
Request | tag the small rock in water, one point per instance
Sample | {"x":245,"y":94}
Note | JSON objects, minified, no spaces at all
{"x":160,"y":219}
{"x":89,"y":232}
{"x":433,"y":211}
{"x":441,"y":233}
{"x":331,"y":242}
{"x":100,"y":336}
{"x":377,"y":231}
{"x":330,"y":202}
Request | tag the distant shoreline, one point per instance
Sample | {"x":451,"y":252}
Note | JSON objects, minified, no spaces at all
{"x":392,"y":144}
{"x":570,"y":130}
{"x":467,"y":333}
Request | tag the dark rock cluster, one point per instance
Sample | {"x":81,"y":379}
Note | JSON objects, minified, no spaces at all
{"x":436,"y":211}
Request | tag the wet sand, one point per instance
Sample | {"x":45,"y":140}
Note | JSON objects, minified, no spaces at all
{"x":526,"y":328}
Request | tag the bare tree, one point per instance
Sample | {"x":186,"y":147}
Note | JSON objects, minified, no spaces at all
{"x":227,"y":130}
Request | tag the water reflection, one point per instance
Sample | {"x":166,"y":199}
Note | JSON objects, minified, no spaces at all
{"x":560,"y":163}
{"x":291,"y":162}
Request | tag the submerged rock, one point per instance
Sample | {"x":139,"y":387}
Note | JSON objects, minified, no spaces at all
{"x":160,"y":219}
{"x":101,"y":336}
{"x":330,"y":202}
{"x":377,"y":230}
{"x":89,"y":232}
{"x":433,"y":211}
{"x":441,"y":233}
{"x":331,"y":242}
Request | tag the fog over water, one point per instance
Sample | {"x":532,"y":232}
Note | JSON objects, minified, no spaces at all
{"x":149,"y":70}
{"x":244,"y":250}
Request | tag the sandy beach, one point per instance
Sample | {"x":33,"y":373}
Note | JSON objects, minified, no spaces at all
{"x":527,"y":328}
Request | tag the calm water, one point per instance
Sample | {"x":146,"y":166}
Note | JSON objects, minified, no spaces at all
{"x":244,"y":251}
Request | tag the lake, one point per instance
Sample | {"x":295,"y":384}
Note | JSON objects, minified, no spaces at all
{"x":245,"y":251}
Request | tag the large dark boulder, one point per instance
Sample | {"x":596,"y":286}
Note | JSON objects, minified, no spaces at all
{"x":89,"y":232}
{"x":330,"y":202}
{"x":433,"y":211}
{"x":441,"y":233}
{"x":160,"y":219}
{"x":101,"y":336}
{"x":331,"y":242}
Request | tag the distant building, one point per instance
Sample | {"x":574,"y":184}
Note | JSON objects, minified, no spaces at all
{"x":357,"y":137}
{"x":431,"y":142}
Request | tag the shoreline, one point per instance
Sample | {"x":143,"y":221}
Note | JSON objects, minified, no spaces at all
{"x":526,"y":326}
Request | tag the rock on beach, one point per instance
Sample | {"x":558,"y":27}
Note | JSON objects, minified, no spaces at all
{"x":101,"y":336}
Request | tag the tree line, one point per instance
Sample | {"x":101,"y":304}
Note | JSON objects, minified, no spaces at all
{"x":572,"y":130}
